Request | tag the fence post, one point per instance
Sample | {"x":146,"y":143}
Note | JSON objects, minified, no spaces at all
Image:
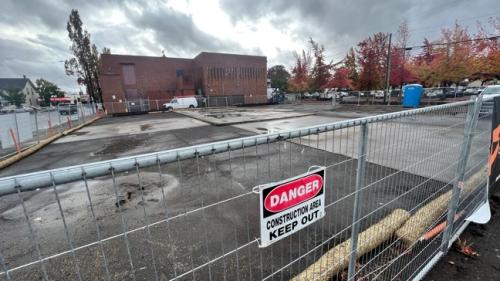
{"x":470,"y":123}
{"x":17,"y":128}
{"x":59,"y":118}
{"x":82,"y":108}
{"x":360,"y":183}
{"x":36,"y":126}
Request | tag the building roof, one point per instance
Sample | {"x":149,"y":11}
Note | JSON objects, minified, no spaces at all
{"x":14,"y":83}
{"x":228,"y":54}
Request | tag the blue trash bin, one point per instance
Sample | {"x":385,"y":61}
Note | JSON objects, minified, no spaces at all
{"x":412,"y":95}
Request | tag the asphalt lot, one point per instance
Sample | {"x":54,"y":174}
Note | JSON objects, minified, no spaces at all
{"x":188,"y":241}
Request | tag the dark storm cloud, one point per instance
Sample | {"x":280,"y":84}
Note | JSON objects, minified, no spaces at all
{"x":340,"y":24}
{"x":42,"y":42}
{"x":177,"y":32}
{"x":41,"y":55}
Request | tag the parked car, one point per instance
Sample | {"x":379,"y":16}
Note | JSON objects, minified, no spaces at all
{"x":470,"y":91}
{"x":449,"y":92}
{"x":434,"y":93}
{"x":327,"y":95}
{"x":315,"y":95}
{"x":181,"y":102}
{"x":67,"y":109}
{"x":343,"y":94}
{"x":395,"y":93}
{"x":487,"y":106}
{"x":377,"y":94}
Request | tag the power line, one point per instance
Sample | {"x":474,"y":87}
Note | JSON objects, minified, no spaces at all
{"x":450,"y":43}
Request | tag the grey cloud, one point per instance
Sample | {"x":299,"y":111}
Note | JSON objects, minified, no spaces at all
{"x":336,"y":24}
{"x":40,"y":55}
{"x":339,"y":24}
{"x":33,"y":13}
{"x":177,"y":32}
{"x":18,"y":58}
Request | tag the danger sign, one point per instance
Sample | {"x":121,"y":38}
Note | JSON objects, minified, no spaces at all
{"x":289,"y":206}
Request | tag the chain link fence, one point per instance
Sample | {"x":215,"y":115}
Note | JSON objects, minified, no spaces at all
{"x":20,"y":129}
{"x":190,"y":213}
{"x":148,"y":105}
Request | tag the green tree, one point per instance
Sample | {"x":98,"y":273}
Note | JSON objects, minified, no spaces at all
{"x":85,"y":60}
{"x":13,"y":96}
{"x":279,"y":77}
{"x":47,"y":89}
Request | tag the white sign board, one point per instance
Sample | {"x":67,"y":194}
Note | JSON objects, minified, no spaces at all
{"x":8,"y":121}
{"x":291,"y":205}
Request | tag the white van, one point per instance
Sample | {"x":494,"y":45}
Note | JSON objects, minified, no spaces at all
{"x":181,"y":102}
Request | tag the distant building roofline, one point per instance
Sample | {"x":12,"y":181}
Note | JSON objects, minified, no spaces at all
{"x":200,"y":54}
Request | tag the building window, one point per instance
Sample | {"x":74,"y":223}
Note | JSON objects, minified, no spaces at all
{"x":128,"y":74}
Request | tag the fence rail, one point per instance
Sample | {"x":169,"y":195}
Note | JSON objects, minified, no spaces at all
{"x":191,"y":213}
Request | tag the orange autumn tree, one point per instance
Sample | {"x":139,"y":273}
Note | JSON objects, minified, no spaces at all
{"x":301,"y":73}
{"x":486,"y":59}
{"x":447,"y":60}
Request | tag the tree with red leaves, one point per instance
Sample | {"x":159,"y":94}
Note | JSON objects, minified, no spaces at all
{"x":350,"y":64}
{"x":372,"y":57}
{"x":486,"y":53}
{"x":300,"y":80}
{"x":340,"y":79}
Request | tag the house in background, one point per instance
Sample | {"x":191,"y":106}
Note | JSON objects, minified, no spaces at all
{"x":23,"y":85}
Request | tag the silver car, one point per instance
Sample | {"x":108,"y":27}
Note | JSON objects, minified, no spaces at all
{"x":487,"y":106}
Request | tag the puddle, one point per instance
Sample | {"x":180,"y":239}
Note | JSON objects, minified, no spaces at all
{"x":120,"y":146}
{"x":80,"y":133}
{"x":145,"y":127}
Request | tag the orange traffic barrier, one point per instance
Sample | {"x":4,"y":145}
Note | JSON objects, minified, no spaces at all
{"x":438,"y":229}
{"x":14,"y":139}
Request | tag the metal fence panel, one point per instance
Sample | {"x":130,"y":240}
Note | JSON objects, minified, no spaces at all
{"x":191,"y":214}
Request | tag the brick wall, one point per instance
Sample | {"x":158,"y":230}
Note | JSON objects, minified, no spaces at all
{"x":162,"y":78}
{"x":229,"y":75}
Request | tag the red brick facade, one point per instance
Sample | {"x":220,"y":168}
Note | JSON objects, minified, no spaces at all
{"x":124,"y":77}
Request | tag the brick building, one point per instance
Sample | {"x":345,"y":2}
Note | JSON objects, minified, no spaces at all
{"x":125,"y":78}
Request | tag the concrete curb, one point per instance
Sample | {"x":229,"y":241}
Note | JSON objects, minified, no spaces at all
{"x":240,"y":122}
{"x":34,"y":148}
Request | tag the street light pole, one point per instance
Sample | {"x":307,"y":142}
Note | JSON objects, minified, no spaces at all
{"x":388,"y":69}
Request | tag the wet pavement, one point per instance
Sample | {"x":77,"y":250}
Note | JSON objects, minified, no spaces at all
{"x":238,"y":115}
{"x":179,"y":199}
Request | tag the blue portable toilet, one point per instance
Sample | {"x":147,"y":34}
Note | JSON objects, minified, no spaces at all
{"x":412,"y":95}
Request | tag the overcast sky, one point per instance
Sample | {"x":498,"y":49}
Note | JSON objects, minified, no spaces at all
{"x":33,"y":36}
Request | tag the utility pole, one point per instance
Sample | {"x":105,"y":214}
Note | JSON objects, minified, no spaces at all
{"x":388,"y":69}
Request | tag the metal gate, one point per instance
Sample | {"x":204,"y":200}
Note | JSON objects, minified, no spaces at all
{"x":140,"y":105}
{"x":190,"y":213}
